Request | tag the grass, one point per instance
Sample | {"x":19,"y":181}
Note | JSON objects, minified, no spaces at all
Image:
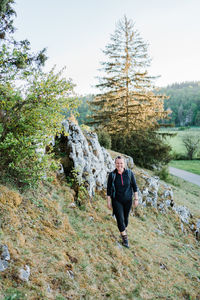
{"x":176,"y":141}
{"x":185,"y":193}
{"x":192,"y":166}
{"x":77,"y":254}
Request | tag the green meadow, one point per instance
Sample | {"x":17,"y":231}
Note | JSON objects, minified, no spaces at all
{"x":192,"y":166}
{"x":176,"y":141}
{"x":178,"y":148}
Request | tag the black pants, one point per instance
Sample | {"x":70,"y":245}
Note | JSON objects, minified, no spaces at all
{"x":121,"y":211}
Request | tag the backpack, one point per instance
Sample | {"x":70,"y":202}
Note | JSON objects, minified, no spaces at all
{"x":113,"y":182}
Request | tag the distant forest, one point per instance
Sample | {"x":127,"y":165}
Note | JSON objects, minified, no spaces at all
{"x":184,"y":102}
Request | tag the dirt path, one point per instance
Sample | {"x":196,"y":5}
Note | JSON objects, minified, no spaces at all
{"x":194,"y":178}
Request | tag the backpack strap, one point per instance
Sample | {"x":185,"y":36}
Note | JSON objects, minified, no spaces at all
{"x":113,"y":183}
{"x":129,"y":174}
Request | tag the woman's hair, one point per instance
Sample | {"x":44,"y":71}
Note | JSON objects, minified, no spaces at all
{"x":119,"y":157}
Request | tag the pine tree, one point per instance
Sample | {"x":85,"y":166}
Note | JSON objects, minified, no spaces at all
{"x":126,"y":101}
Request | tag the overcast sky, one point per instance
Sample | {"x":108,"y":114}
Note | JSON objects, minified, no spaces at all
{"x":75,"y":31}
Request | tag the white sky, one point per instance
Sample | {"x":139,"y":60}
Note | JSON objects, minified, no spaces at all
{"x":75,"y":31}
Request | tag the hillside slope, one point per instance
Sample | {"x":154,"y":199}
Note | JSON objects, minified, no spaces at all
{"x":75,"y":252}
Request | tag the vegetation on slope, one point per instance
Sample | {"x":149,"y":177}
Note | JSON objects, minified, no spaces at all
{"x":75,"y":252}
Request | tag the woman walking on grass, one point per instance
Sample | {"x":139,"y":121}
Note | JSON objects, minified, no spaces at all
{"x":120,"y":187}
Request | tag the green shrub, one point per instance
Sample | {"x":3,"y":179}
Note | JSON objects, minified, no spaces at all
{"x":178,"y":156}
{"x":183,"y":128}
{"x":163,"y":173}
{"x":28,"y":122}
{"x":147,"y":148}
{"x":14,"y":294}
{"x":104,"y":139}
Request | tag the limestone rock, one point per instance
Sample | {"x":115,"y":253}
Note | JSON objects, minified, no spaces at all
{"x":24,"y":274}
{"x":91,"y":161}
{"x":4,"y":257}
{"x":183,"y":213}
{"x":197,"y":232}
{"x":3,"y":265}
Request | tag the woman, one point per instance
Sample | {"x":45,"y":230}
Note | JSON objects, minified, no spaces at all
{"x":120,"y":187}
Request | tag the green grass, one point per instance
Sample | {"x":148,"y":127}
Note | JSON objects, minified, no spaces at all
{"x":192,"y":166}
{"x":185,"y":193}
{"x":176,"y":141}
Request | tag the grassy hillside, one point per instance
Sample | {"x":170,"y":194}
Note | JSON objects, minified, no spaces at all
{"x":75,"y":252}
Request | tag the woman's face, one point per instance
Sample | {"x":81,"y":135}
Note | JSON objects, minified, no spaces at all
{"x":119,"y":163}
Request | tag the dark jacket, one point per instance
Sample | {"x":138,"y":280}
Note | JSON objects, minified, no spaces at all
{"x":124,"y":187}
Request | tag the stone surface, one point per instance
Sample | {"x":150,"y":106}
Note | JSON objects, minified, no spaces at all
{"x":4,"y":257}
{"x":197,"y":232}
{"x":91,"y":162}
{"x":183,"y":213}
{"x":24,"y":274}
{"x":3,"y":265}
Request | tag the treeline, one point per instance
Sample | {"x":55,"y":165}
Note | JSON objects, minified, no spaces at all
{"x":184,"y":102}
{"x":84,"y":111}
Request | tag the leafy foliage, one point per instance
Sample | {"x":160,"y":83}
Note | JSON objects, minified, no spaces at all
{"x":6,"y":18}
{"x":104,"y":139}
{"x":84,"y":112}
{"x":191,"y":144}
{"x":31,"y":110}
{"x":30,"y":120}
{"x":14,"y":294}
{"x":146,"y":147}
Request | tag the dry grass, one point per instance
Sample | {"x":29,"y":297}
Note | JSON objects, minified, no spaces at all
{"x":75,"y":253}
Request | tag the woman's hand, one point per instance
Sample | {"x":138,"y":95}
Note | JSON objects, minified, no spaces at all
{"x":109,"y":205}
{"x":135,"y":203}
{"x":136,"y":200}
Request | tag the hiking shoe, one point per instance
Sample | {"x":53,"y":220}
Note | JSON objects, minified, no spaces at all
{"x":125,"y":241}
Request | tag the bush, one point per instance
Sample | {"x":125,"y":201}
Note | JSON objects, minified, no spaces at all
{"x":163,"y":173}
{"x":104,"y":139}
{"x":191,"y":144}
{"x":182,"y":128}
{"x":147,"y":148}
{"x":28,"y":122}
{"x":13,"y":293}
{"x":178,"y":156}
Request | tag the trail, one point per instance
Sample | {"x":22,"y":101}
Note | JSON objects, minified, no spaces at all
{"x":191,"y":177}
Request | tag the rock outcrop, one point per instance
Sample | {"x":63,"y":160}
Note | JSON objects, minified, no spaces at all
{"x":91,"y":162}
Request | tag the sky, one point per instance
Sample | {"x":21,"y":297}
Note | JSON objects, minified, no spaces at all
{"x":76,"y":31}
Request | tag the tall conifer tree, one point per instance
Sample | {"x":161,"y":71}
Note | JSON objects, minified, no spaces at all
{"x":126,"y":101}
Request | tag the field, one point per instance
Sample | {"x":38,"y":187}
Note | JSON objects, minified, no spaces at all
{"x":178,"y":148}
{"x":192,"y":166}
{"x":176,"y":141}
